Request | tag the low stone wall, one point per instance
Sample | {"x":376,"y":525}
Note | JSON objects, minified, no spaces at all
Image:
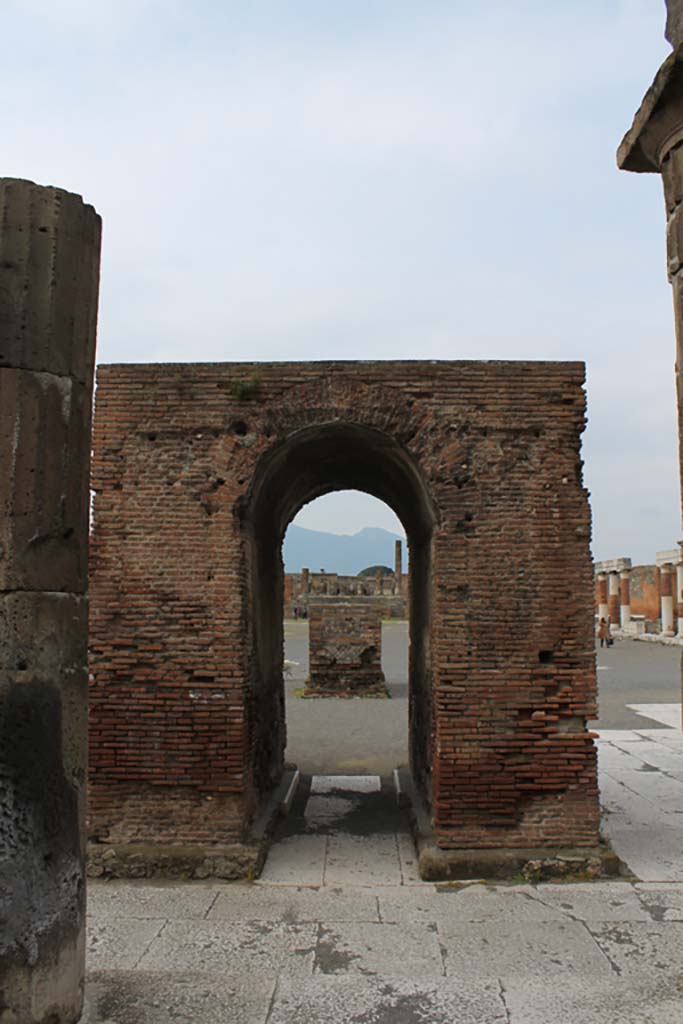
{"x":345,"y":641}
{"x":645,"y":594}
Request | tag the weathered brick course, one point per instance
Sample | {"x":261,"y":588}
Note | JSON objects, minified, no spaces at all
{"x":198,"y":469}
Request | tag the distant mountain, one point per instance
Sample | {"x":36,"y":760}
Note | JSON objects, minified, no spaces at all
{"x":343,"y":554}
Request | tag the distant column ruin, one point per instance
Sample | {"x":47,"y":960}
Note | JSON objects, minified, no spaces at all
{"x":49,"y":277}
{"x":625,"y":594}
{"x":665,"y":563}
{"x":398,"y":566}
{"x":613,"y":605}
{"x":601,"y":597}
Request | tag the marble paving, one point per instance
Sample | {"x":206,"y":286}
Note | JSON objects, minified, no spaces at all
{"x":340,"y":929}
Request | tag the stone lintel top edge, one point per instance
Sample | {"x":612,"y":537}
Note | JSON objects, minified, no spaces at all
{"x":4,"y":180}
{"x":532,"y":365}
{"x":667,"y":85}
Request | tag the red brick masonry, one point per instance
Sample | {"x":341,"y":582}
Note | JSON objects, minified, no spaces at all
{"x":197,"y":471}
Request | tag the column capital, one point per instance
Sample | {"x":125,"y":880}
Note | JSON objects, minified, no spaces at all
{"x":658,"y":124}
{"x":674,"y":21}
{"x":667,"y":559}
{"x":612,"y":565}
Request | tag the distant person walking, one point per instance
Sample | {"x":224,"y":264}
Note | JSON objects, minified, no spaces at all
{"x":603,"y":633}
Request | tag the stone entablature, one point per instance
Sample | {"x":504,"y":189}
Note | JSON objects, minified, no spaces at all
{"x":614,"y":565}
{"x":345,"y":647}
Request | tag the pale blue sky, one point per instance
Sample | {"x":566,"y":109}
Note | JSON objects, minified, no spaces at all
{"x":312,"y":180}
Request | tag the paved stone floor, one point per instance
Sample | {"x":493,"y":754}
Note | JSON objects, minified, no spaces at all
{"x":340,"y":929}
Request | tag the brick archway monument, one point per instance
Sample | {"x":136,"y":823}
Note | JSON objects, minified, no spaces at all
{"x":198,"y":469}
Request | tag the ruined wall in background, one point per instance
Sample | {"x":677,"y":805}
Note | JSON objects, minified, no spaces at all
{"x":345,"y":646}
{"x":301,"y":587}
{"x":645,"y":595}
{"x":49,"y":277}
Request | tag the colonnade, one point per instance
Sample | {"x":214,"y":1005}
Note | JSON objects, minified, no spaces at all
{"x":613,"y":580}
{"x":613,"y":591}
{"x":670,"y":565}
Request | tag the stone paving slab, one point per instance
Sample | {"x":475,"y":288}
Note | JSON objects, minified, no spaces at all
{"x":470,"y":904}
{"x":119,"y":943}
{"x":610,"y":756}
{"x":620,"y":735}
{"x":620,"y":801}
{"x":590,"y":1000}
{"x":549,"y":949}
{"x":161,"y":900}
{"x":406,"y":950}
{"x":664,"y":902}
{"x":663,"y":792}
{"x":296,"y":860}
{"x":294,"y":905}
{"x":597,"y":901}
{"x":325,"y":809}
{"x":655,"y":754}
{"x":628,"y":809}
{"x":653,"y":855}
{"x":363,"y":860}
{"x":635,"y":947}
{"x":349,"y":783}
{"x":668,"y":714}
{"x":146,"y":997}
{"x":387,"y":1000}
{"x":249,"y":948}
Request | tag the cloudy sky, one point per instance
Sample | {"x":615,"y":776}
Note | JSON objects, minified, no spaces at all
{"x":311,"y":179}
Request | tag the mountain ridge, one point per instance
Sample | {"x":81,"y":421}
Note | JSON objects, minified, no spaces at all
{"x":345,"y":554}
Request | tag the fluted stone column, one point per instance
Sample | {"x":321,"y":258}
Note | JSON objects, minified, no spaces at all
{"x":625,"y":594}
{"x":49,"y":278}
{"x":602,"y":596}
{"x":654,"y":144}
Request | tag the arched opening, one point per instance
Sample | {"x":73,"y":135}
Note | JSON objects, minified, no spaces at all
{"x":346,"y":636}
{"x":312,"y":462}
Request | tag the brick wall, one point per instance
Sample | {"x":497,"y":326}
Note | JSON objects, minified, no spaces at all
{"x":198,"y":469}
{"x":345,"y":646}
{"x":645,"y":596}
